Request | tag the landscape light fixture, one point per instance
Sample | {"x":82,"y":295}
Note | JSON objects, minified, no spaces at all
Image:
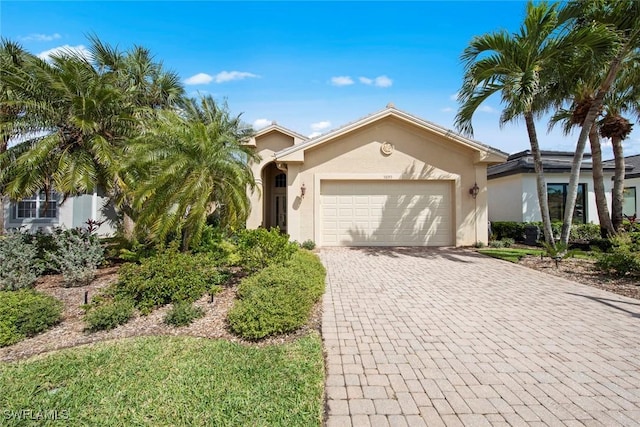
{"x":303,"y":190}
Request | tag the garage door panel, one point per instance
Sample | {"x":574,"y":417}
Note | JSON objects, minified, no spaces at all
{"x":386,"y":213}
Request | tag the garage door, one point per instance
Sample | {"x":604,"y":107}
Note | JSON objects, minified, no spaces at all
{"x":386,"y":213}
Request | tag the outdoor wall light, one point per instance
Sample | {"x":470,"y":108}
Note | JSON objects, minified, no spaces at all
{"x":474,"y":190}
{"x":303,"y":190}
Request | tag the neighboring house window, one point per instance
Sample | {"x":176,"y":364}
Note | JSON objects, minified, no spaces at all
{"x":557,"y":196}
{"x":281,"y":180}
{"x":629,"y":203}
{"x":36,"y":207}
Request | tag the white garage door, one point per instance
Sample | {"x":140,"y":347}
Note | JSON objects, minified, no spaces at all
{"x":386,"y":213}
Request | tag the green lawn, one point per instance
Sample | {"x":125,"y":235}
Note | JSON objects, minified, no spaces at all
{"x":509,"y":254}
{"x":169,"y":381}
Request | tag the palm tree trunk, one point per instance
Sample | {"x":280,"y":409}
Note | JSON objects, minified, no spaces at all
{"x":594,"y":111}
{"x":617,"y":196}
{"x":606,"y":227}
{"x":541,"y":184}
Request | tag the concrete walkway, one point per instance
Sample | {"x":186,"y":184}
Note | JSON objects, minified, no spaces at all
{"x":449,"y":337}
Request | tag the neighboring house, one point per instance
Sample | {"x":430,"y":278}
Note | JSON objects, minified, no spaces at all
{"x":513,"y":192}
{"x":632,"y":186}
{"x":32,"y":215}
{"x":388,"y":179}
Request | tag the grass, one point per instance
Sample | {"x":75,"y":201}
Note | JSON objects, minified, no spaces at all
{"x":509,"y":254}
{"x":169,"y":381}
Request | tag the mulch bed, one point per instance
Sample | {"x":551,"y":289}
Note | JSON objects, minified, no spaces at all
{"x":70,"y":332}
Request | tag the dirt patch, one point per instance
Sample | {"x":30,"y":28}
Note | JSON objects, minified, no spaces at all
{"x":583,"y":271}
{"x":70,"y":332}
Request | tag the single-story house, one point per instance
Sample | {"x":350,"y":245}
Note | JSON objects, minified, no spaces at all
{"x":512,"y":190}
{"x":37,"y":213}
{"x":388,"y":179}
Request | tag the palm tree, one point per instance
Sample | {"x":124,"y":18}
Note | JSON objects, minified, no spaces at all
{"x":523,"y":68}
{"x":623,"y":98}
{"x":622,"y":18}
{"x":187,"y":165}
{"x":76,"y":115}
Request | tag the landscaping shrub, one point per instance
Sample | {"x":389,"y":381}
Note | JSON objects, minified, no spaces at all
{"x":261,"y":248}
{"x":108,"y":314}
{"x":25,"y":313}
{"x":584,"y":232}
{"x":183,"y":313}
{"x":620,"y":261}
{"x":168,"y":277}
{"x":279,"y":298}
{"x":215,"y":243}
{"x":77,"y":255}
{"x":496,"y":244}
{"x":510,"y":229}
{"x":308,"y":245}
{"x":19,"y":264}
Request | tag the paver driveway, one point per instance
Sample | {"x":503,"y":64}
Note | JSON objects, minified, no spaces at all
{"x":450,"y":337}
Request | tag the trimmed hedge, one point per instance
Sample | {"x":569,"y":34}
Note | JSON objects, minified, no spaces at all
{"x":515,"y":230}
{"x":25,"y":313}
{"x":279,"y":298}
{"x":108,"y":315}
{"x":261,"y":248}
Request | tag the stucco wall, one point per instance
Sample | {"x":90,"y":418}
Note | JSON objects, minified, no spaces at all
{"x":417,"y":154}
{"x":505,"y":203}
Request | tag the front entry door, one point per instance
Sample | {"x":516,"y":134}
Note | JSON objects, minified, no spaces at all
{"x":279,"y":211}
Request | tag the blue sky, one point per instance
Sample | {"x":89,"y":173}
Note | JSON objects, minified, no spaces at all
{"x":310,"y":66}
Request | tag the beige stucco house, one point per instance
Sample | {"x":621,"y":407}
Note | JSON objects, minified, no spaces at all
{"x":388,"y":179}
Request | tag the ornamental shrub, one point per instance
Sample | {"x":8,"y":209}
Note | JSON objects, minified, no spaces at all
{"x":168,"y":277}
{"x":308,"y":245}
{"x":620,"y":261}
{"x":279,"y":298}
{"x":511,"y":229}
{"x":104,"y":315}
{"x":25,"y":313}
{"x":19,"y":264}
{"x":584,"y":232}
{"x":77,"y":255}
{"x":183,"y":313}
{"x":261,"y":248}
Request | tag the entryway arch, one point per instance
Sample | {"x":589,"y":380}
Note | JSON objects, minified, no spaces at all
{"x":274,"y":190}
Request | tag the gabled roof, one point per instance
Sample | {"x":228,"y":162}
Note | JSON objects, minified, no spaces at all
{"x":634,"y":163}
{"x":296,"y":152}
{"x":275,"y":127}
{"x":552,"y":161}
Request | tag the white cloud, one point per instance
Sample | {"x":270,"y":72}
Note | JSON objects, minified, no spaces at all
{"x":227,"y":76}
{"x":380,"y":81}
{"x":314,"y":134}
{"x":341,"y":81}
{"x":383,"y":81}
{"x":36,"y":37}
{"x":486,"y":109}
{"x":320,"y":125}
{"x":454,"y":97}
{"x":447,"y":110}
{"x":199,"y":79}
{"x":65,"y":50}
{"x":261,"y":123}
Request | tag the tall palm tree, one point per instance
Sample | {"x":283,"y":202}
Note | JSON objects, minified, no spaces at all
{"x":622,"y":18}
{"x":523,"y":68}
{"x":624,"y":98}
{"x":187,"y":165}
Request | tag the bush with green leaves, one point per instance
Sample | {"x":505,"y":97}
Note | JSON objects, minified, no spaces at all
{"x":19,"y":263}
{"x":168,"y":277}
{"x":261,"y":248}
{"x":25,"y":313}
{"x":215,"y":242}
{"x":183,"y":313}
{"x":620,"y":262}
{"x":584,"y":232}
{"x":279,"y":298}
{"x":77,"y":255}
{"x":106,"y":314}
{"x":511,"y":229}
{"x":308,"y":245}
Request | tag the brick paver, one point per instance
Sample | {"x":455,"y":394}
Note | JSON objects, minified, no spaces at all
{"x":446,"y":337}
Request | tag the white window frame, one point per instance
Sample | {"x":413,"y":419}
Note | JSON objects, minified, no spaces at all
{"x":38,"y":198}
